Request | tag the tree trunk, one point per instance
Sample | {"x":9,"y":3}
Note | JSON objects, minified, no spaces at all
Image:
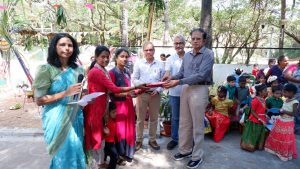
{"x":150,"y":19}
{"x":166,"y":21}
{"x":124,"y":24}
{"x":281,"y":37}
{"x":206,"y":20}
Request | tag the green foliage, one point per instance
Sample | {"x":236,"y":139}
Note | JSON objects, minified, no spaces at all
{"x":61,"y":16}
{"x":165,"y":109}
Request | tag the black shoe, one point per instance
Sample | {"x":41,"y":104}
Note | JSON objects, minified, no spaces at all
{"x":179,"y":156}
{"x":154,"y":145}
{"x":128,"y":159}
{"x":172,"y":144}
{"x":121,"y":162}
{"x":194,"y":164}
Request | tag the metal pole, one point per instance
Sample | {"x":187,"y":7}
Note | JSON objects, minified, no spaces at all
{"x":270,"y":50}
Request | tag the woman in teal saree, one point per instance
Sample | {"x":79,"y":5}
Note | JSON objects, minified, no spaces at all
{"x":54,"y":86}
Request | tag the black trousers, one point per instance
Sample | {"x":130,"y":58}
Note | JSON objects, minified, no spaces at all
{"x":110,"y":150}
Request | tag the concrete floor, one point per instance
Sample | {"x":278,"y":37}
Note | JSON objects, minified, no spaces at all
{"x":25,"y":150}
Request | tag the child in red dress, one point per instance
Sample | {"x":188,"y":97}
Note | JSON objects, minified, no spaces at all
{"x":281,"y":140}
{"x":218,"y":115}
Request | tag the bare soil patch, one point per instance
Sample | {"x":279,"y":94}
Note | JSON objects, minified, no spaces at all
{"x":28,"y":116}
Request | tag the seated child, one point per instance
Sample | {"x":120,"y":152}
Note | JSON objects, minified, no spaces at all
{"x":218,"y":113}
{"x":275,"y":101}
{"x":253,"y":136}
{"x":110,"y":133}
{"x":281,"y":140}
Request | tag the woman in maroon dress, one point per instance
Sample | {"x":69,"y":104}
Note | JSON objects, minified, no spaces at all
{"x":99,"y":81}
{"x":125,"y":117}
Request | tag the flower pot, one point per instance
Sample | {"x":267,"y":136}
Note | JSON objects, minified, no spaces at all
{"x":167,"y":129}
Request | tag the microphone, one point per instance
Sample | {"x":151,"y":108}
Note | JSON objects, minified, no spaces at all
{"x":79,"y":80}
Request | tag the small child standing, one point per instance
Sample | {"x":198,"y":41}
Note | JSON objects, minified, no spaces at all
{"x":230,"y":86}
{"x":281,"y":140}
{"x":253,"y":136}
{"x":275,"y":101}
{"x":272,"y":82}
{"x":242,"y":95}
{"x":218,"y":115}
{"x":110,"y":146}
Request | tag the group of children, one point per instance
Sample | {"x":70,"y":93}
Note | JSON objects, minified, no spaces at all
{"x":256,"y":108}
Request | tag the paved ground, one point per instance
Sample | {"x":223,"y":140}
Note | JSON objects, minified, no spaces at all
{"x":25,"y":149}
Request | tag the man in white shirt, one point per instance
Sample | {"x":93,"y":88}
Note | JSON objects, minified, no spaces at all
{"x":148,"y":70}
{"x":172,"y":67}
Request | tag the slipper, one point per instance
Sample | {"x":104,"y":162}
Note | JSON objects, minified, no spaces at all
{"x":15,"y":107}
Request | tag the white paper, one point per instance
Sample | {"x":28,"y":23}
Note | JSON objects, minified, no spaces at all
{"x":87,"y":98}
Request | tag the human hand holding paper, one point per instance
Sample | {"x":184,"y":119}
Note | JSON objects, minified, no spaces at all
{"x":87,"y":98}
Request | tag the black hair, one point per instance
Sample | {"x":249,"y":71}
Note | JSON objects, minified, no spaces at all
{"x":242,"y":79}
{"x":222,"y":89}
{"x":92,"y":64}
{"x":53,"y":58}
{"x":238,"y":71}
{"x":118,"y":52}
{"x":231,"y":78}
{"x":271,"y":60}
{"x":162,"y":55}
{"x":276,"y":88}
{"x":246,"y":75}
{"x":204,"y":34}
{"x":260,"y":88}
{"x":289,"y":87}
{"x":111,"y":106}
{"x":99,"y":49}
{"x":280,"y":58}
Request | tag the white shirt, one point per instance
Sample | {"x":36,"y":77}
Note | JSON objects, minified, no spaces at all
{"x":144,"y":72}
{"x":173,"y":65}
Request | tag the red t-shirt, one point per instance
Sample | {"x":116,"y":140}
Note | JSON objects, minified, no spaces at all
{"x":111,"y":125}
{"x":254,"y":72}
{"x":259,"y":108}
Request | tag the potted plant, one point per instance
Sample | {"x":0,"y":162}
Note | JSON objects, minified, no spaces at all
{"x":165,"y":113}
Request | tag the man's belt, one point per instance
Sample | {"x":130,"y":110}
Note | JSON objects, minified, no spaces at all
{"x":204,"y":83}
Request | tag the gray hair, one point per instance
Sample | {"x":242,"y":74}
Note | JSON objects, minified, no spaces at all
{"x":182,"y":38}
{"x":147,"y":43}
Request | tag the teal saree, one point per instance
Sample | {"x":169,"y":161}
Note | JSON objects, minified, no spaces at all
{"x":62,"y":123}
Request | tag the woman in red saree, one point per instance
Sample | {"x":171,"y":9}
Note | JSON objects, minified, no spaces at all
{"x":125,"y":115}
{"x":218,"y":117}
{"x":99,"y":81}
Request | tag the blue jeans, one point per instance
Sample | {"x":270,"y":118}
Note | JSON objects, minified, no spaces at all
{"x":297,"y":119}
{"x":175,"y":107}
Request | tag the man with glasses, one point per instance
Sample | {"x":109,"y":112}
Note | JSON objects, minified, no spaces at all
{"x":195,"y":75}
{"x":148,"y":70}
{"x":173,"y":65}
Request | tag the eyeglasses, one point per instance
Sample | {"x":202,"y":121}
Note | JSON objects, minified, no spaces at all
{"x":178,"y":43}
{"x":148,"y":50}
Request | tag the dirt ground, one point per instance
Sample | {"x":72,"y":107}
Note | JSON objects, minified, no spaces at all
{"x":28,"y":116}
